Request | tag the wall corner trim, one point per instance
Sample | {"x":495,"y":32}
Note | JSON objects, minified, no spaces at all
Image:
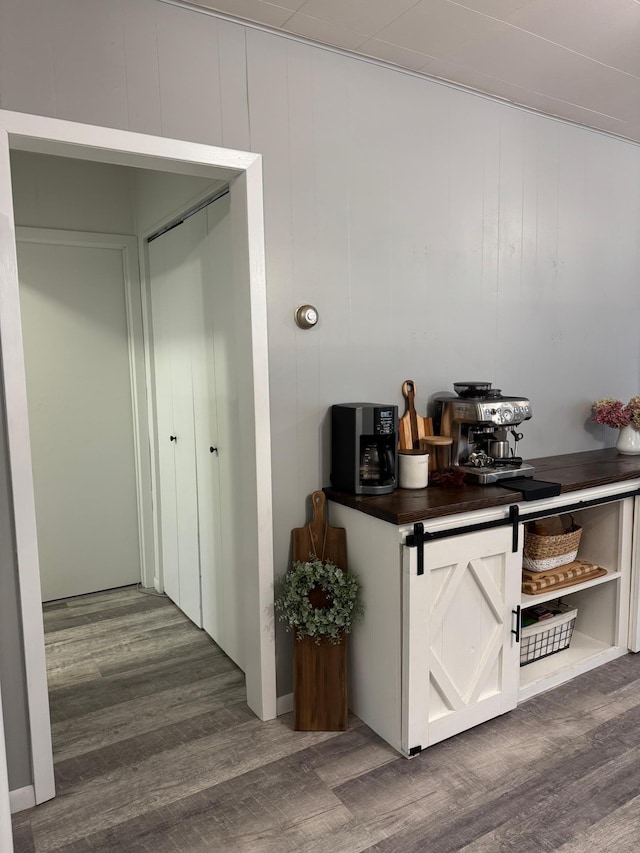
{"x":284,"y":704}
{"x":22,"y":798}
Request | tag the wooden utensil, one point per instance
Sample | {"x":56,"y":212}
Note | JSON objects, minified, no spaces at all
{"x":412,"y":426}
{"x":319,"y":669}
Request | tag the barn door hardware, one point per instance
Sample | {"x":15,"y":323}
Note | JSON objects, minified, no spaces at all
{"x":514,"y":518}
{"x":417,"y":540}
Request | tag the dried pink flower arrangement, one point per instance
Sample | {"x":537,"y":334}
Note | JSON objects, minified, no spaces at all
{"x":614,"y":413}
{"x":633,"y":406}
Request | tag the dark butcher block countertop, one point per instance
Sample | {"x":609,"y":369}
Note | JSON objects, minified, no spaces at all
{"x":573,"y":471}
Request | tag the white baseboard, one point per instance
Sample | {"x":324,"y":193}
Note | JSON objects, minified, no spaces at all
{"x":22,"y":798}
{"x":284,"y":704}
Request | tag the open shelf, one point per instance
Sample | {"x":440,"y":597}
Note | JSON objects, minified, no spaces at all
{"x":600,"y":633}
{"x":583,"y":654}
{"x":549,"y":594}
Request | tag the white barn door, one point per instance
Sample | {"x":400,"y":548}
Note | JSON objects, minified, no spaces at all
{"x":462,"y":661}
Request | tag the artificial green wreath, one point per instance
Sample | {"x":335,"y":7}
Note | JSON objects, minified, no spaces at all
{"x":299,"y":614}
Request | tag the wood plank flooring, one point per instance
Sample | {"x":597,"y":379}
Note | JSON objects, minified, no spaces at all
{"x":156,"y":750}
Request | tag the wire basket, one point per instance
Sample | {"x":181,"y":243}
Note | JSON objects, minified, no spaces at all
{"x":548,"y":636}
{"x":542,"y":553}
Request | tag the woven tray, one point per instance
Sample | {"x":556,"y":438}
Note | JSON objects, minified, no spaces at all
{"x":542,"y":553}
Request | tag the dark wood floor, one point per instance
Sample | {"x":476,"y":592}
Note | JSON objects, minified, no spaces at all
{"x":156,"y":750}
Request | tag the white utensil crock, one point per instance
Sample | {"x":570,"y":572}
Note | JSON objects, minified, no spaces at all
{"x":413,"y":472}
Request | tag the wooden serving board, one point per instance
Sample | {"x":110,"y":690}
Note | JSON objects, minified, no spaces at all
{"x":412,"y":426}
{"x":319,"y":670}
{"x":319,"y":537}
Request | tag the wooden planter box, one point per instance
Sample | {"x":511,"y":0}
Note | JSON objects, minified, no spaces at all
{"x":319,"y":685}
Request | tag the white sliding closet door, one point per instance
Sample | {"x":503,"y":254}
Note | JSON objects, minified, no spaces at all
{"x":212,"y":454}
{"x":224,"y":590}
{"x":175,"y":266}
{"x":165,"y":428}
{"x":195,"y":342}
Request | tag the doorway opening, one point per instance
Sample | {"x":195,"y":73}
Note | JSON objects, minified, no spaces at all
{"x":165,"y":161}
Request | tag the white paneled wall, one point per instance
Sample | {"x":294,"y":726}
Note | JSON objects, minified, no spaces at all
{"x":443,"y":236}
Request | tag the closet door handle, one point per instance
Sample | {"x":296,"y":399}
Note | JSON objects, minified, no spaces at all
{"x":173,"y":438}
{"x":213,"y":450}
{"x":516,"y":613}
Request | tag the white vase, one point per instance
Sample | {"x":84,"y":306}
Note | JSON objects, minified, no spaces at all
{"x":628,"y":442}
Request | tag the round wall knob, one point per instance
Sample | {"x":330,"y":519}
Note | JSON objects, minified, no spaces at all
{"x":306,"y":316}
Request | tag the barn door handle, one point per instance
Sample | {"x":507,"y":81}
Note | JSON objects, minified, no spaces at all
{"x":516,"y":613}
{"x":173,"y":438}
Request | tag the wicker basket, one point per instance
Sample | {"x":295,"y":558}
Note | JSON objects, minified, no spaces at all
{"x":542,"y":553}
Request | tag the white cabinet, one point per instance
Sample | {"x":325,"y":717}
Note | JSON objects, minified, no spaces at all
{"x":437,"y":651}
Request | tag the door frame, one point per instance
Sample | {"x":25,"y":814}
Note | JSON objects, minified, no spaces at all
{"x":243,"y":172}
{"x":6,"y":835}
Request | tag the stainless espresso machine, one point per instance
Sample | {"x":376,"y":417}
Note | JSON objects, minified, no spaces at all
{"x":481,"y":422}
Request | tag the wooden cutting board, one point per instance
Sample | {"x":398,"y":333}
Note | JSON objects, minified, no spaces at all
{"x":329,"y":543}
{"x":412,"y":426}
{"x":319,"y":669}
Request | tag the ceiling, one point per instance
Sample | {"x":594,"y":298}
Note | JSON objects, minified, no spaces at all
{"x":578,"y":59}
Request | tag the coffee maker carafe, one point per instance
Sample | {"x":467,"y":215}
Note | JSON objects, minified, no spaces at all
{"x":364,"y":438}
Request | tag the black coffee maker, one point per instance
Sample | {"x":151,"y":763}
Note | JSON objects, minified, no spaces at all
{"x":364,"y":441}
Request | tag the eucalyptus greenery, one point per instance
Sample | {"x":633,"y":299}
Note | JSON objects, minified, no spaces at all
{"x":296,"y":610}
